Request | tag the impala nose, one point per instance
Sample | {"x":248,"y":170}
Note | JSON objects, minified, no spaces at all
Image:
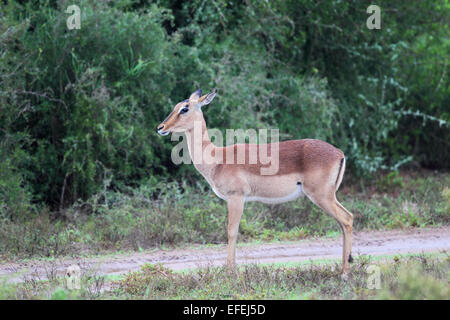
{"x":160,"y":130}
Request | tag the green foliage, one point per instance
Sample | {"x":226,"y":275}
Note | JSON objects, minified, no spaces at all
{"x":14,"y":197}
{"x":91,"y":95}
{"x":78,"y":108}
{"x":149,"y":279}
{"x":413,"y":281}
{"x":424,"y":278}
{"x":446,"y":197}
{"x":185,"y":214}
{"x":405,"y":278}
{"x":53,"y":286}
{"x":390,"y":182}
{"x":59,"y":294}
{"x":38,"y":235}
{"x":414,"y":286}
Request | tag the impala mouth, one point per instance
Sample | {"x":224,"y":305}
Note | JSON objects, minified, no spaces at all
{"x":163,"y":133}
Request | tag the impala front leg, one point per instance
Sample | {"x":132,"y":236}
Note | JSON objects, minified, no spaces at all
{"x":235,"y":208}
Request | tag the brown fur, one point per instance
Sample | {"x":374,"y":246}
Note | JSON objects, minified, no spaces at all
{"x":312,"y":165}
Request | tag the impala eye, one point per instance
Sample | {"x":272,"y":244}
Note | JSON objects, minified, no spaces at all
{"x":184,"y":110}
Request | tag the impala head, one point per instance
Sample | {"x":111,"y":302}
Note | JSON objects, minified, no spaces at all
{"x":185,"y":113}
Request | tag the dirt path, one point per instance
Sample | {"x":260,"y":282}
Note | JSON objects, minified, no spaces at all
{"x":364,"y":243}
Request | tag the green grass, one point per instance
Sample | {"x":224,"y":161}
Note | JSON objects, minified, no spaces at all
{"x":423,"y":276}
{"x":182,"y":215}
{"x":301,"y":281}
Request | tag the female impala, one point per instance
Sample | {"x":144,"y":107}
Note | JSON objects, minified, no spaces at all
{"x":311,"y":167}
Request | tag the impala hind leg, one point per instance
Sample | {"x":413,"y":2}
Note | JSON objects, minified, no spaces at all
{"x":330,"y":205}
{"x":348,"y":229}
{"x":235,"y":208}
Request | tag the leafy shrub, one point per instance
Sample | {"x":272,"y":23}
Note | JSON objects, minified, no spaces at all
{"x":79,"y":107}
{"x":418,"y":281}
{"x":446,"y":197}
{"x":86,"y":110}
{"x":149,"y":279}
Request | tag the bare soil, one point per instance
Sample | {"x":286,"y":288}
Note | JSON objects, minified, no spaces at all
{"x":364,"y":243}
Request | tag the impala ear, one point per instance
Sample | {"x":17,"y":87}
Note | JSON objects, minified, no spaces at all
{"x":195,"y":96}
{"x":207,"y":98}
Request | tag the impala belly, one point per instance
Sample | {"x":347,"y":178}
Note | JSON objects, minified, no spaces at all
{"x":274,"y":200}
{"x":275,"y":189}
{"x":266,"y":189}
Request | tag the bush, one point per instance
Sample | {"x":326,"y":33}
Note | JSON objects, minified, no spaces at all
{"x":85,"y":111}
{"x":79,"y":107}
{"x":418,"y":281}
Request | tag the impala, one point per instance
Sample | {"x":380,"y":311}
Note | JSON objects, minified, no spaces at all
{"x":306,"y":167}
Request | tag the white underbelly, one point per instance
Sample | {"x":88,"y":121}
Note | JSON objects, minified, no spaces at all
{"x":271,"y":200}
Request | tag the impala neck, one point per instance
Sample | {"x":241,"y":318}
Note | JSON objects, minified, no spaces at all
{"x":198,"y":140}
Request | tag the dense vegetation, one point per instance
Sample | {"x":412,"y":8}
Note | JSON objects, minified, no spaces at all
{"x":181,"y":215}
{"x":79,"y":108}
